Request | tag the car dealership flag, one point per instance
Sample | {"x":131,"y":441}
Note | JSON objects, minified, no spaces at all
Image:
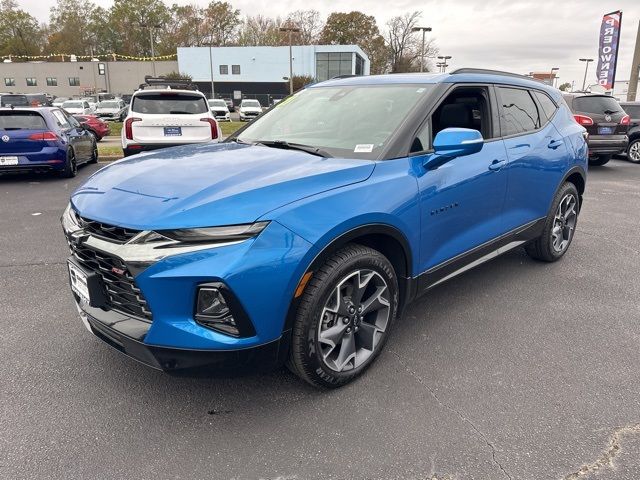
{"x":608,"y":51}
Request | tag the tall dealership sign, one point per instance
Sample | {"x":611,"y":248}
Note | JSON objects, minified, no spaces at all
{"x":608,"y":49}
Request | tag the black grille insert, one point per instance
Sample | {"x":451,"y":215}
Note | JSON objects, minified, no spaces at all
{"x":120,"y":287}
{"x":105,"y":231}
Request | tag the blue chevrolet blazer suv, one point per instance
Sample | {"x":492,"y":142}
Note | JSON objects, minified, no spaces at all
{"x":301,"y":238}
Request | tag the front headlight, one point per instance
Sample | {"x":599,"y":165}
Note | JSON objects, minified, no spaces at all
{"x":228,"y":233}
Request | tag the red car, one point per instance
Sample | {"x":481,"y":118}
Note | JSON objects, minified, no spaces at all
{"x":96,"y":125}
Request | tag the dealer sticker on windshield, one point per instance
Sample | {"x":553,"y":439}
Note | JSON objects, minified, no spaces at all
{"x":363,"y":148}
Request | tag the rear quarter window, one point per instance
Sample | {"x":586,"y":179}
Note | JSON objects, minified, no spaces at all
{"x":169,"y":104}
{"x":22,"y":121}
{"x":548,"y":106}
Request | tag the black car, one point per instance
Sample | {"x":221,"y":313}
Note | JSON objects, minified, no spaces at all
{"x":633,"y":150}
{"x":14,"y":100}
{"x":606,"y":123}
{"x":38,"y":100}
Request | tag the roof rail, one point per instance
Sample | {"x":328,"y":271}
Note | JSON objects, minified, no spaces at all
{"x":485,"y":71}
{"x":159,"y":82}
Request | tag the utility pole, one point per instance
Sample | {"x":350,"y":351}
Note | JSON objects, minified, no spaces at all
{"x":291,"y":30}
{"x":635,"y":71}
{"x":586,"y":67}
{"x":422,"y":53}
{"x":151,"y":42}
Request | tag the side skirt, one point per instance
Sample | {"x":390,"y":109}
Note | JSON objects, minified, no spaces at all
{"x":478,"y":255}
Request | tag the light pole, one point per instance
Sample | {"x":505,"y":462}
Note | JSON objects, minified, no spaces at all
{"x":151,"y":42}
{"x":443,"y":61}
{"x":291,"y":30}
{"x":586,"y":67}
{"x":423,"y":30}
{"x":440,"y":66}
{"x":552,"y":76}
{"x":211,"y":67}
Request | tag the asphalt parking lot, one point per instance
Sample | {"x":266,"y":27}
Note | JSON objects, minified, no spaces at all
{"x":515,"y":370}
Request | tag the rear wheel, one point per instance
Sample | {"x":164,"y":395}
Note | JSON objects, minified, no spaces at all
{"x":559,"y":227}
{"x":71,"y":165}
{"x":599,"y":160}
{"x":344,"y":318}
{"x":633,"y":152}
{"x":94,"y":153}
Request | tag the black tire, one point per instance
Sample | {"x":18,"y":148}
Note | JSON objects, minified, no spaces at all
{"x":94,"y":152}
{"x":306,"y":357}
{"x":71,"y":165}
{"x":543,"y":248}
{"x":633,"y":151}
{"x":599,"y":160}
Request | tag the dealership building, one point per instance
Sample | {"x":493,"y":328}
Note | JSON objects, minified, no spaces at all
{"x":237,"y":72}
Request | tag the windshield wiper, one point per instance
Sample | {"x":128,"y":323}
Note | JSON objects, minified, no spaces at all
{"x":294,"y":146}
{"x":610,"y":112}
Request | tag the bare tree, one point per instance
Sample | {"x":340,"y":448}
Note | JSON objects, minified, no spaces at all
{"x":310,"y":24}
{"x":260,"y":30}
{"x":404,"y":45}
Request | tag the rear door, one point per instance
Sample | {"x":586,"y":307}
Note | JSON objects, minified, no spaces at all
{"x":538,"y":154}
{"x":170,"y":118}
{"x":72,"y":134}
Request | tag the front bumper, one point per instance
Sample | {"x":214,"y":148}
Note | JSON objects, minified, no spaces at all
{"x":127,"y":334}
{"x":607,"y":144}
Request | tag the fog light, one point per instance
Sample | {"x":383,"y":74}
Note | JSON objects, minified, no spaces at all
{"x":212,"y":311}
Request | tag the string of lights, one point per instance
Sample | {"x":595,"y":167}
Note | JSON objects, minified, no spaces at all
{"x":107,"y":56}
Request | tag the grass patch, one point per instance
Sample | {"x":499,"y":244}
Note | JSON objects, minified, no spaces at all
{"x":109,"y":150}
{"x":229,"y":128}
{"x":115,"y":128}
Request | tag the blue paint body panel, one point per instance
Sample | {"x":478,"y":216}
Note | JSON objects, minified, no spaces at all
{"x":310,"y":201}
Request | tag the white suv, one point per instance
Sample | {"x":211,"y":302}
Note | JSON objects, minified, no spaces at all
{"x":166,"y":117}
{"x":249,"y":109}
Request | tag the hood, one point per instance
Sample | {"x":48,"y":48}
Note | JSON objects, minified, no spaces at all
{"x":251,"y":109}
{"x":108,"y":109}
{"x":208,"y":185}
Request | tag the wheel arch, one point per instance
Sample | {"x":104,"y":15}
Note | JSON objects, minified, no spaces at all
{"x":386,"y":239}
{"x":577,"y":176}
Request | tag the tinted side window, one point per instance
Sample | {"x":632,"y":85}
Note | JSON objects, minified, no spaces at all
{"x":60,"y":119}
{"x":548,"y":106}
{"x":519,"y":112}
{"x":632,"y":110}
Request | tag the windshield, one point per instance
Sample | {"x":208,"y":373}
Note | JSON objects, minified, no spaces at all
{"x":251,"y":103}
{"x":217,"y":103}
{"x":21,"y":121}
{"x":597,"y":104}
{"x":72,"y":105}
{"x":169,"y":103}
{"x":347,"y":121}
{"x":108,"y":105}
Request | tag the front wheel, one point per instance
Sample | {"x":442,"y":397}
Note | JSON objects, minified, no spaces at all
{"x":599,"y":160}
{"x":344,"y":317}
{"x":559,"y":227}
{"x":633,"y":152}
{"x":94,"y":153}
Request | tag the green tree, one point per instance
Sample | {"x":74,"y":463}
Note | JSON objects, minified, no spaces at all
{"x":299,"y":81}
{"x":356,"y":28}
{"x":20,"y":33}
{"x":565,"y":87}
{"x":70,"y":27}
{"x":221,"y":22}
{"x":135,"y":21}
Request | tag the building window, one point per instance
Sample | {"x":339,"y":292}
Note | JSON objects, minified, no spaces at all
{"x":9,"y":82}
{"x":224,"y":69}
{"x":329,"y":65}
{"x":359,"y":65}
{"x":235,"y":69}
{"x":74,"y":81}
{"x":52,"y":82}
{"x":32,"y":82}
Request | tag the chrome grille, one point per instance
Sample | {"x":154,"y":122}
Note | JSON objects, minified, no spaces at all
{"x":120,"y":287}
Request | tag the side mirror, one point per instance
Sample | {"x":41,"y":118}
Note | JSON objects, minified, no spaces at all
{"x":454,"y":142}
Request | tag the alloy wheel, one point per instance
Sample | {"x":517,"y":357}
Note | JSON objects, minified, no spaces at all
{"x":354,"y":320}
{"x":634,"y":152}
{"x":564,"y":223}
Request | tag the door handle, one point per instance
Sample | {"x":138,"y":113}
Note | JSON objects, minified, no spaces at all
{"x":497,"y":164}
{"x":553,"y":144}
